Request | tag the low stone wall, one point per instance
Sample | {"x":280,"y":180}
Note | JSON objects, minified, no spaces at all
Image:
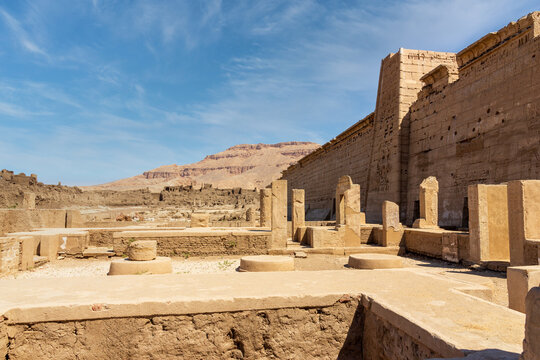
{"x":9,"y":255}
{"x":430,"y":243}
{"x":198,"y":243}
{"x":345,"y":330}
{"x":14,"y":220}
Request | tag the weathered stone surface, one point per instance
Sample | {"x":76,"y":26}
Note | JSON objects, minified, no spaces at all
{"x":392,"y":228}
{"x":266,"y":207}
{"x":142,"y":250}
{"x":48,"y":246}
{"x":9,"y":255}
{"x":26,"y":252}
{"x":249,"y":215}
{"x":375,"y":261}
{"x":523,"y":221}
{"x":200,"y":220}
{"x":531,"y":344}
{"x":519,"y":280}
{"x":266,"y":263}
{"x":279,"y":214}
{"x":159,"y":265}
{"x":429,"y":204}
{"x":298,"y":214}
{"x":488,"y":223}
{"x":29,"y":200}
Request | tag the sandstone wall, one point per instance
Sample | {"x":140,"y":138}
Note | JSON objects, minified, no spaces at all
{"x":483,"y":127}
{"x":346,"y":330}
{"x":186,"y":243}
{"x":9,"y":255}
{"x":466,"y":118}
{"x":318,"y":173}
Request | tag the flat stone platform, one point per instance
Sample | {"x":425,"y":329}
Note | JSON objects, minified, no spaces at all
{"x":435,"y":310}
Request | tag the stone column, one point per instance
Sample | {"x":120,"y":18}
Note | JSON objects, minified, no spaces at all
{"x":29,"y":200}
{"x":279,"y":214}
{"x":429,"y":204}
{"x":298,"y":213}
{"x":531,"y":345}
{"x":392,"y":229}
{"x":266,"y":207}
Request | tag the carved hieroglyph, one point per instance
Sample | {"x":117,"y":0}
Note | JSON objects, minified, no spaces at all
{"x":279,"y":214}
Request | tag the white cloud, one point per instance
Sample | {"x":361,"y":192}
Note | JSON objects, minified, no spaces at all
{"x":21,"y":35}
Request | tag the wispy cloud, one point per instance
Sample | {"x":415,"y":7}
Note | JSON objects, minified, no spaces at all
{"x":20,"y":34}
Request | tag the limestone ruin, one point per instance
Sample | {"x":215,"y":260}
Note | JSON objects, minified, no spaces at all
{"x":427,"y":247}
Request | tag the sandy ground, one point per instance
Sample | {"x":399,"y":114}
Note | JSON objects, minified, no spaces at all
{"x":99,"y":267}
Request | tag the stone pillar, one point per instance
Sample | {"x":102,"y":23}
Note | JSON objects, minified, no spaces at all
{"x":265,"y":217}
{"x":73,"y":219}
{"x":48,"y":246}
{"x":392,"y":229}
{"x":29,"y":200}
{"x":429,"y":204}
{"x":488,"y":223}
{"x":531,"y":344}
{"x":523,"y":221}
{"x":298,"y":213}
{"x":279,"y":214}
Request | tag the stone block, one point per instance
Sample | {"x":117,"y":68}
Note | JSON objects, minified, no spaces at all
{"x":160,"y":265}
{"x":488,"y":223}
{"x":74,"y":219}
{"x":48,"y":246}
{"x":531,"y":344}
{"x":523,"y":221}
{"x":520,"y":279}
{"x":263,"y":263}
{"x":298,"y":213}
{"x":450,"y":247}
{"x":279,"y":214}
{"x":265,"y":218}
{"x":200,"y":220}
{"x":27,"y":252}
{"x":392,"y":228}
{"x":375,"y":261}
{"x":142,"y":250}
{"x":429,"y":204}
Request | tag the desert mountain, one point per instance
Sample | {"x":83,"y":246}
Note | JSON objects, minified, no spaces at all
{"x":245,"y":165}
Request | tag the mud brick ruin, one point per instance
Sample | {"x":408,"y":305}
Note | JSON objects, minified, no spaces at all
{"x":445,"y":170}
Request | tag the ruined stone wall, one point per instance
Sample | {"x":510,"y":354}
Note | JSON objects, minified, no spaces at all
{"x":483,"y":127}
{"x":9,"y":255}
{"x":318,"y":173}
{"x":345,"y":330}
{"x":200,"y":243}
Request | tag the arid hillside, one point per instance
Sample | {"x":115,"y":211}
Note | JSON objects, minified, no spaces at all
{"x":245,"y":165}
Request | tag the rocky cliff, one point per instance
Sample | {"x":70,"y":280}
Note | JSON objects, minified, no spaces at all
{"x":245,"y":165}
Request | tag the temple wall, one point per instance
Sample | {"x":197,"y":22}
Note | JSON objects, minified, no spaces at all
{"x":465,"y":118}
{"x":318,"y":173}
{"x":482,"y":128}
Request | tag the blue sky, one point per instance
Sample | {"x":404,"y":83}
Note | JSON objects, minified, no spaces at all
{"x":94,"y":91}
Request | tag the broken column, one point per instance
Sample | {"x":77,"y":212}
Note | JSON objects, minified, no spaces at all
{"x":29,"y":201}
{"x":429,"y":204}
{"x":298,"y":214}
{"x":265,"y":217}
{"x":279,"y":214}
{"x":392,"y":228}
{"x":348,"y":214}
{"x":524,"y":221}
{"x":142,"y":259}
{"x":531,"y":344}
